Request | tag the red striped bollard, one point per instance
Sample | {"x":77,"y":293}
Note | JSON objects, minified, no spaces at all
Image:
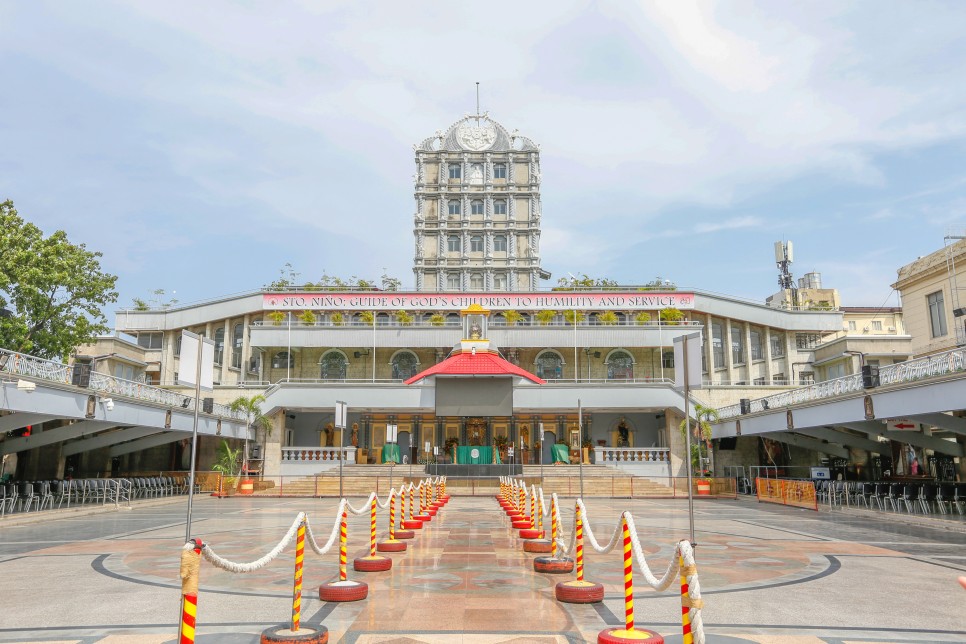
{"x":422,"y":516}
{"x":190,"y":569}
{"x":372,"y":562}
{"x":553,"y":564}
{"x":538,"y":545}
{"x":411,"y":523}
{"x":531,"y":531}
{"x":392,"y":544}
{"x":579,"y":591}
{"x":343,"y":590}
{"x":686,"y":602}
{"x":295,"y":632}
{"x":628,"y":634}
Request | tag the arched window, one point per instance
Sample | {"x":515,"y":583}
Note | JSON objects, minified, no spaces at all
{"x":549,"y":365}
{"x":453,"y":243}
{"x":454,"y":207}
{"x":499,"y":243}
{"x":219,"y":345}
{"x":499,"y":281}
{"x":382,"y":319}
{"x":476,"y":207}
{"x":453,"y":281}
{"x":620,"y":366}
{"x":237,"y":339}
{"x":283,"y":359}
{"x":476,"y":244}
{"x":499,"y":206}
{"x":476,"y":281}
{"x":453,"y":319}
{"x":405,"y":365}
{"x":333,"y":366}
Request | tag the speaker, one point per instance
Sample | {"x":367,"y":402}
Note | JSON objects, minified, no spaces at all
{"x":870,"y":376}
{"x":208,"y":405}
{"x":745,"y":406}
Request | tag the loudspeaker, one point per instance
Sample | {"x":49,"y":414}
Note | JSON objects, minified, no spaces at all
{"x":870,"y":376}
{"x":208,"y":405}
{"x":745,"y":406}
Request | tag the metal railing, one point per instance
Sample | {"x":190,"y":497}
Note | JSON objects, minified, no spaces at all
{"x":940,"y":364}
{"x":20,"y":364}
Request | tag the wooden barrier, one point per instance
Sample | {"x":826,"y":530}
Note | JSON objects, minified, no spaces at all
{"x":800,"y":494}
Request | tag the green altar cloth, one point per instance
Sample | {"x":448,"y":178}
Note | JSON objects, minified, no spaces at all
{"x":560,"y":453}
{"x":484,"y":455}
{"x":390,"y":452}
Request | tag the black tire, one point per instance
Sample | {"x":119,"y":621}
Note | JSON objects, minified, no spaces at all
{"x":315,"y":634}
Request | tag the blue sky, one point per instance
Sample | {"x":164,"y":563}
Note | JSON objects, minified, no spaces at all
{"x":201,"y":146}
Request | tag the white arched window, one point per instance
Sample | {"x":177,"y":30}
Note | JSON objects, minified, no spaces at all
{"x":405,"y":365}
{"x":620,"y":365}
{"x":333,"y":365}
{"x":549,"y":365}
{"x":476,"y":281}
{"x":282,"y":360}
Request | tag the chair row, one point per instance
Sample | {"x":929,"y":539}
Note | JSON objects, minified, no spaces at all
{"x":26,"y":496}
{"x":928,"y":498}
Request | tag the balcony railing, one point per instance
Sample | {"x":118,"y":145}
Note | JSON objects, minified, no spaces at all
{"x":940,"y":364}
{"x":21,"y":364}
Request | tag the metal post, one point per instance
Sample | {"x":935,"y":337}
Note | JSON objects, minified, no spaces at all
{"x":687,"y":438}
{"x":580,"y":448}
{"x":540,"y":451}
{"x":194,"y":444}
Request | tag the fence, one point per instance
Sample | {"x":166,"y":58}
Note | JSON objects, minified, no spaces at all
{"x":800,"y":494}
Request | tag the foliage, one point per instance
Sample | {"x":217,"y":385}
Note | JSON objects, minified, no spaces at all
{"x":585,"y":282}
{"x":54,"y":289}
{"x":437,"y":319}
{"x":404,"y":318}
{"x":367,"y":316}
{"x":643,"y":317}
{"x":570,"y":315}
{"x":701,"y":425}
{"x":337,"y":319}
{"x":252,"y":408}
{"x":545,"y":317}
{"x":587,"y":443}
{"x":501,"y":441}
{"x":608,"y":318}
{"x":140,"y":305}
{"x":512,"y":317}
{"x":307,"y":317}
{"x":277,"y":317}
{"x":229,"y":461}
{"x":290,"y":279}
{"x":390,"y":283}
{"x":671,"y":315}
{"x":658,"y":284}
{"x":450,"y":443}
{"x":561,"y":440}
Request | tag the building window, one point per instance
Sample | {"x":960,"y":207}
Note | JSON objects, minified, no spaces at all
{"x":499,"y":243}
{"x":332,"y":366}
{"x":937,"y":314}
{"x":454,"y":207}
{"x":150,"y":340}
{"x":476,"y":207}
{"x":237,"y":338}
{"x":667,"y":359}
{"x":499,"y":207}
{"x":282,"y":360}
{"x":807,"y":378}
{"x":499,"y":171}
{"x":737,"y":345}
{"x":777,"y":345}
{"x":852,"y":326}
{"x":453,"y":243}
{"x":382,"y":319}
{"x":177,"y":347}
{"x":405,"y":365}
{"x":453,"y":319}
{"x":876,"y":325}
{"x":455,"y":171}
{"x":549,"y":365}
{"x":807,"y":340}
{"x":453,"y":282}
{"x":219,"y":345}
{"x":779,"y":379}
{"x":620,"y":366}
{"x":476,"y":244}
{"x":476,"y":281}
{"x":717,"y":345}
{"x":499,"y":281}
{"x":757,"y":351}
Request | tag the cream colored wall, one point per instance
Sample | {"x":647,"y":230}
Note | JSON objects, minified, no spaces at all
{"x":521,"y":209}
{"x":521,"y":173}
{"x":916,"y":314}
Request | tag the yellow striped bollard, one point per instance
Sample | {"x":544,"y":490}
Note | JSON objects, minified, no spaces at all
{"x":579,"y":591}
{"x":190,"y":569}
{"x":553,"y":564}
{"x":343,"y":590}
{"x":294,"y":631}
{"x":372,"y":562}
{"x":297,"y":591}
{"x":392,"y":544}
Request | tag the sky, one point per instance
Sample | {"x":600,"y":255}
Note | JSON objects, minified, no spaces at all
{"x":202,"y":146}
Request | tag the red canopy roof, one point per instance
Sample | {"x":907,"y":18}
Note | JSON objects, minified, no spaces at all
{"x":483,"y":363}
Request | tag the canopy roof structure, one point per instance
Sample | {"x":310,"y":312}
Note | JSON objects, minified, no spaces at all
{"x":475,"y":363}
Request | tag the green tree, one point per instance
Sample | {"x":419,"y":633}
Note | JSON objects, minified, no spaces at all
{"x":700,"y":431}
{"x":585,"y":282}
{"x":252,"y":408}
{"x":570,"y":315}
{"x":55,"y":289}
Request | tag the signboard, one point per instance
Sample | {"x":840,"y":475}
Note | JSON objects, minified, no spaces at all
{"x":821,"y":473}
{"x":625,"y":300}
{"x":902,"y":425}
{"x":391,"y":433}
{"x":693,"y":341}
{"x":341,"y":414}
{"x":188,"y":369}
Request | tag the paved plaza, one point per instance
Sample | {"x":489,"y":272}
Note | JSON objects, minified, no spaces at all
{"x":768,"y":574}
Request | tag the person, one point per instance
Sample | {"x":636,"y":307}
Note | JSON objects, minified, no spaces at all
{"x":914,"y":468}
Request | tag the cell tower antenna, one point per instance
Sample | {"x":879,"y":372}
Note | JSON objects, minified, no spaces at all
{"x":783,"y":258}
{"x":477,"y":103}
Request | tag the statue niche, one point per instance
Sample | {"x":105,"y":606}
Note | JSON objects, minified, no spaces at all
{"x":476,"y":431}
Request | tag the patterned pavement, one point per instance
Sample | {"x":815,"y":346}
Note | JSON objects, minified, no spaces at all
{"x":769,"y":574}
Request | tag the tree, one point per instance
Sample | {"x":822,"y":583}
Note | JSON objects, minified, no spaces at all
{"x":252,"y":408}
{"x":700,"y":430}
{"x":56,"y":289}
{"x":585,"y":282}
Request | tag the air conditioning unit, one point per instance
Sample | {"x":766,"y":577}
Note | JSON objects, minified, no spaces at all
{"x":892,"y":329}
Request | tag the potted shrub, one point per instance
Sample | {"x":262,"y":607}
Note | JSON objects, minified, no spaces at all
{"x":512,"y":317}
{"x":643,"y":317}
{"x":337,"y":319}
{"x":501,"y":443}
{"x":367,"y":317}
{"x":671,"y":315}
{"x":545,"y":317}
{"x":570,"y":315}
{"x":277,"y":317}
{"x":437,"y":319}
{"x":404,"y":318}
{"x":307,"y":317}
{"x":450,"y":447}
{"x":228,"y":465}
{"x":607,"y":318}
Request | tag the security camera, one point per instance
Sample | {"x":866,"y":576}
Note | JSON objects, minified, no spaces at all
{"x":108,"y":404}
{"x":26,"y":385}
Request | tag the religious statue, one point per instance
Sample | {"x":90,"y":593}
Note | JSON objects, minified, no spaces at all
{"x":475,"y":332}
{"x":623,"y":434}
{"x":355,"y":434}
{"x":329,"y":434}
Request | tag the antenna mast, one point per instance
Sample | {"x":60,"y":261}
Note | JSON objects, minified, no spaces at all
{"x":477,"y":103}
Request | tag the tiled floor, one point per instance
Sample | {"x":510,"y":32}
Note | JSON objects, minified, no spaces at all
{"x":769,"y":575}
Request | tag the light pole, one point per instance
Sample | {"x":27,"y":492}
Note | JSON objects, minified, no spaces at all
{"x":580,"y":448}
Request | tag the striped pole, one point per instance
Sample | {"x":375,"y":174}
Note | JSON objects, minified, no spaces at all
{"x":533,"y":506}
{"x":343,"y":537}
{"x":190,"y":568}
{"x":553,"y":527}
{"x":410,"y":497}
{"x":521,"y":500}
{"x":685,"y":604}
{"x":297,"y":592}
{"x":540,"y":518}
{"x":580,"y":545}
{"x":628,"y":579}
{"x":372,"y":529}
{"x":392,"y":516}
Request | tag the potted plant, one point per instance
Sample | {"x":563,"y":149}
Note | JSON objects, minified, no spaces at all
{"x":404,"y":318}
{"x":307,"y":317}
{"x":337,"y":319}
{"x":570,"y":316}
{"x":367,"y":317}
{"x":671,"y":315}
{"x":643,"y":317}
{"x":252,"y":408}
{"x":228,"y":465}
{"x":277,"y":317}
{"x":501,"y":443}
{"x":607,"y":318}
{"x":512,"y":317}
{"x":701,"y":432}
{"x":450,"y":446}
{"x":545,"y":317}
{"x":437,"y":319}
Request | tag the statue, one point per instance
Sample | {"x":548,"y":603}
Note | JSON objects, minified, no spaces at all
{"x":355,"y":434}
{"x":475,"y":332}
{"x":623,"y":434}
{"x":329,"y":434}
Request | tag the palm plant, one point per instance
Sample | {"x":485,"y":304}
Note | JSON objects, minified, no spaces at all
{"x":700,"y":430}
{"x":252,"y":408}
{"x":228,"y":463}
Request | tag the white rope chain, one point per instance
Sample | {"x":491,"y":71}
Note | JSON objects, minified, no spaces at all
{"x":219,"y":562}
